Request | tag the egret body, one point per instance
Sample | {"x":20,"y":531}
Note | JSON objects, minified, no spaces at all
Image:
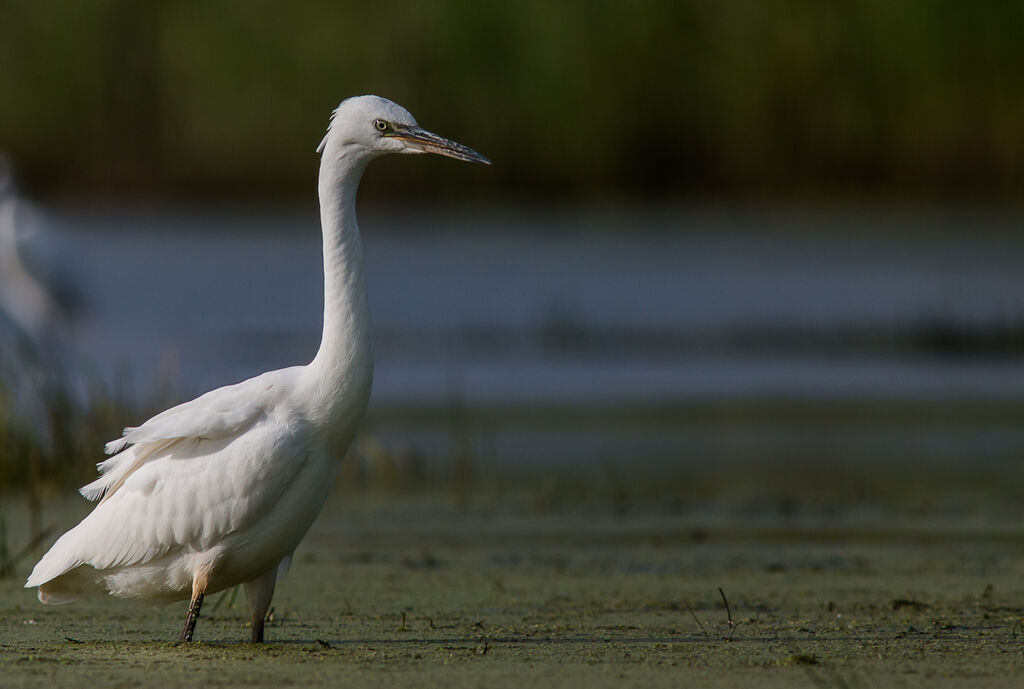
{"x":219,"y":491}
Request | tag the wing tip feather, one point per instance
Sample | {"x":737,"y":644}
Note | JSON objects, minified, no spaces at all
{"x":115,"y":446}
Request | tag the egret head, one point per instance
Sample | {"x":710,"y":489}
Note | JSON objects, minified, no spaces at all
{"x":373,"y":126}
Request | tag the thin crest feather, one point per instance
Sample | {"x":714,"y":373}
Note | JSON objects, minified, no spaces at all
{"x":330,"y":123}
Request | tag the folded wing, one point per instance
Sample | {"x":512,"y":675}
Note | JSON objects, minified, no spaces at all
{"x":181,"y":480}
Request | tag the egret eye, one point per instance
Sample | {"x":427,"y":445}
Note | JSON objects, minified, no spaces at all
{"x":381,"y":125}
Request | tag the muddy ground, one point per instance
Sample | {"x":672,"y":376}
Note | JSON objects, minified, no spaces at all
{"x":832,"y":579}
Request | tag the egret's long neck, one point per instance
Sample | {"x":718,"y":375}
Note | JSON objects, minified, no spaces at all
{"x":345,"y":356}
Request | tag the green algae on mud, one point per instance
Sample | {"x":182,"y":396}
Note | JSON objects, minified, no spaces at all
{"x":410,"y":589}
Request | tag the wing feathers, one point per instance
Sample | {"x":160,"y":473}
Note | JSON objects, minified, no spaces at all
{"x":218,"y":449}
{"x":116,"y":470}
{"x":226,"y":411}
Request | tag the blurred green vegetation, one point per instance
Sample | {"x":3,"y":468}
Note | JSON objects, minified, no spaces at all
{"x":65,"y":455}
{"x":594,"y":98}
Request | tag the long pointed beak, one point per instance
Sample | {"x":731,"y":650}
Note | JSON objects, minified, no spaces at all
{"x":428,"y":142}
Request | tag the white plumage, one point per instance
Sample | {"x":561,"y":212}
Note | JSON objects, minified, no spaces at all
{"x":219,"y":491}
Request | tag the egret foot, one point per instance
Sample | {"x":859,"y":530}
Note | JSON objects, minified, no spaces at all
{"x":192,"y":618}
{"x":260,"y":591}
{"x":257,"y":631}
{"x":198,"y":591}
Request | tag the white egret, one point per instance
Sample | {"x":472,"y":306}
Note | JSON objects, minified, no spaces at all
{"x":219,"y":491}
{"x":37,"y":301}
{"x":39,"y":305}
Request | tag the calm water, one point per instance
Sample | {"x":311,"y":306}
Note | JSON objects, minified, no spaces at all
{"x":567,"y":309}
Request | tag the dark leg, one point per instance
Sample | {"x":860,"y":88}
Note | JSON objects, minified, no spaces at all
{"x":257,"y":630}
{"x":192,"y":617}
{"x":199,"y":581}
{"x":260,"y":590}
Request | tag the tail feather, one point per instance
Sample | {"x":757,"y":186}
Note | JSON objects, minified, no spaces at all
{"x":58,"y":574}
{"x":46,"y":570}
